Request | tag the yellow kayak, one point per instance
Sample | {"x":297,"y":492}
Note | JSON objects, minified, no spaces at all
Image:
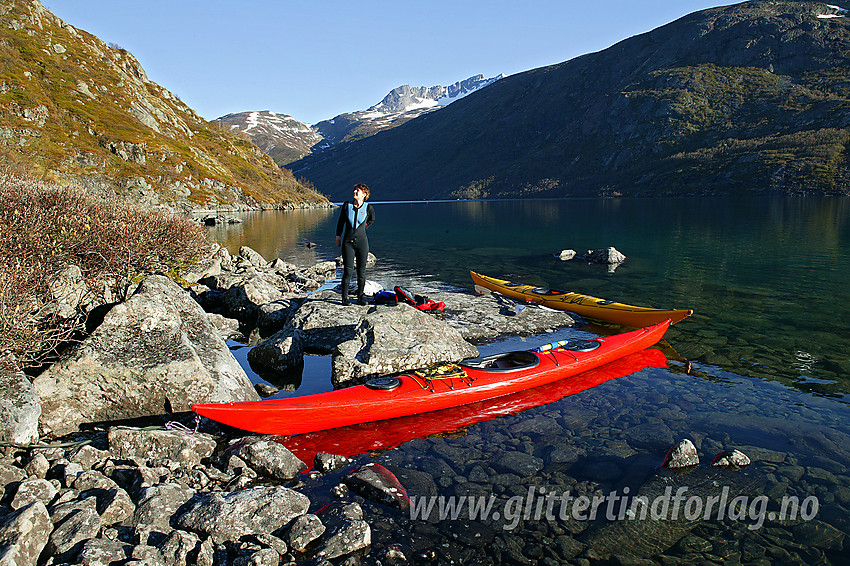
{"x":584,"y":305}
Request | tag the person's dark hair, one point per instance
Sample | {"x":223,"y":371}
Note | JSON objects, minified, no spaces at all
{"x":362,"y":187}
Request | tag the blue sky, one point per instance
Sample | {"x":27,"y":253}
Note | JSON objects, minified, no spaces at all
{"x":314,"y":59}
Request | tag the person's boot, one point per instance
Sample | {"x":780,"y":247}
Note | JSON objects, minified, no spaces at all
{"x":361,"y":296}
{"x":343,"y":288}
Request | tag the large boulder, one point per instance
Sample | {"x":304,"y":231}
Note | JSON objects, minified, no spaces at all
{"x":396,"y":339}
{"x":19,"y":404}
{"x":252,"y":257}
{"x":242,"y":299}
{"x":209,"y":266}
{"x":23,"y":534}
{"x":489,"y":316}
{"x":282,"y":352}
{"x":257,"y":510}
{"x":326,"y":323}
{"x":153,"y":354}
{"x":242,"y":293}
{"x":239,"y":290}
{"x":187,"y":450}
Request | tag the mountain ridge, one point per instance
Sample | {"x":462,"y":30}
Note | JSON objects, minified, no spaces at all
{"x":285,"y":139}
{"x":749,"y":97}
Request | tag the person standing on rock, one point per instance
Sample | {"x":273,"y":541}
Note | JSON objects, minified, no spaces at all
{"x":354,"y":217}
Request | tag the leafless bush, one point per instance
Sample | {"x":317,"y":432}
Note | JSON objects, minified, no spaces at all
{"x":44,"y":228}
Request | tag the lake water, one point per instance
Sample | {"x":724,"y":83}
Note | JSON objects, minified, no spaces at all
{"x":768,"y":349}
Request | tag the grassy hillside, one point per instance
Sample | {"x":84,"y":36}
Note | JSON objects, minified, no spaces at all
{"x":73,"y":108}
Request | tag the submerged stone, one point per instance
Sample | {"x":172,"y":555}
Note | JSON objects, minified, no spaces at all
{"x":653,"y":523}
{"x":374,"y":481}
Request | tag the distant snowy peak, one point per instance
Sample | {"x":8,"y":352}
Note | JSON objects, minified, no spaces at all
{"x":401,"y":105}
{"x":407,"y":98}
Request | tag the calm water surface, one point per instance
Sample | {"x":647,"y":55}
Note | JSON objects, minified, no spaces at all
{"x":768,"y":347}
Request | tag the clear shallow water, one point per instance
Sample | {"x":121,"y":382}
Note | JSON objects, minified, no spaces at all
{"x":769,"y":349}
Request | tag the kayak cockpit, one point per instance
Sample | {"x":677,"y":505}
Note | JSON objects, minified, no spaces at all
{"x":547,"y":292}
{"x":507,"y":361}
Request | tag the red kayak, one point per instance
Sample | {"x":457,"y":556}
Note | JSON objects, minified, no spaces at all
{"x":382,"y":435}
{"x":439,"y":388}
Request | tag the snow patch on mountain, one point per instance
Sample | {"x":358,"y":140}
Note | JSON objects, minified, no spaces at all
{"x":268,"y":120}
{"x":833,"y":15}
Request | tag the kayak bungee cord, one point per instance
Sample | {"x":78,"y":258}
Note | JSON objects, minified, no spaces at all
{"x":442,"y":372}
{"x":177,"y":425}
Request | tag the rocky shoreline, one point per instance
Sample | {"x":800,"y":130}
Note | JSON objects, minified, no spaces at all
{"x":148,"y":495}
{"x":227,"y":215}
{"x":173,"y":497}
{"x":163,"y":348}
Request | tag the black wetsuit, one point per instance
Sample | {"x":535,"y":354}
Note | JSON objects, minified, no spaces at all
{"x":355,"y":247}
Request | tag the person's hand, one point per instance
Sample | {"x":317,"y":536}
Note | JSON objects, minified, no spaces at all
{"x":337,"y":241}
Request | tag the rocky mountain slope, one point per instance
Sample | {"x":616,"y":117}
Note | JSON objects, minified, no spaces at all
{"x":282,"y":137}
{"x":73,"y":108}
{"x":749,"y":97}
{"x":286,"y":140}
